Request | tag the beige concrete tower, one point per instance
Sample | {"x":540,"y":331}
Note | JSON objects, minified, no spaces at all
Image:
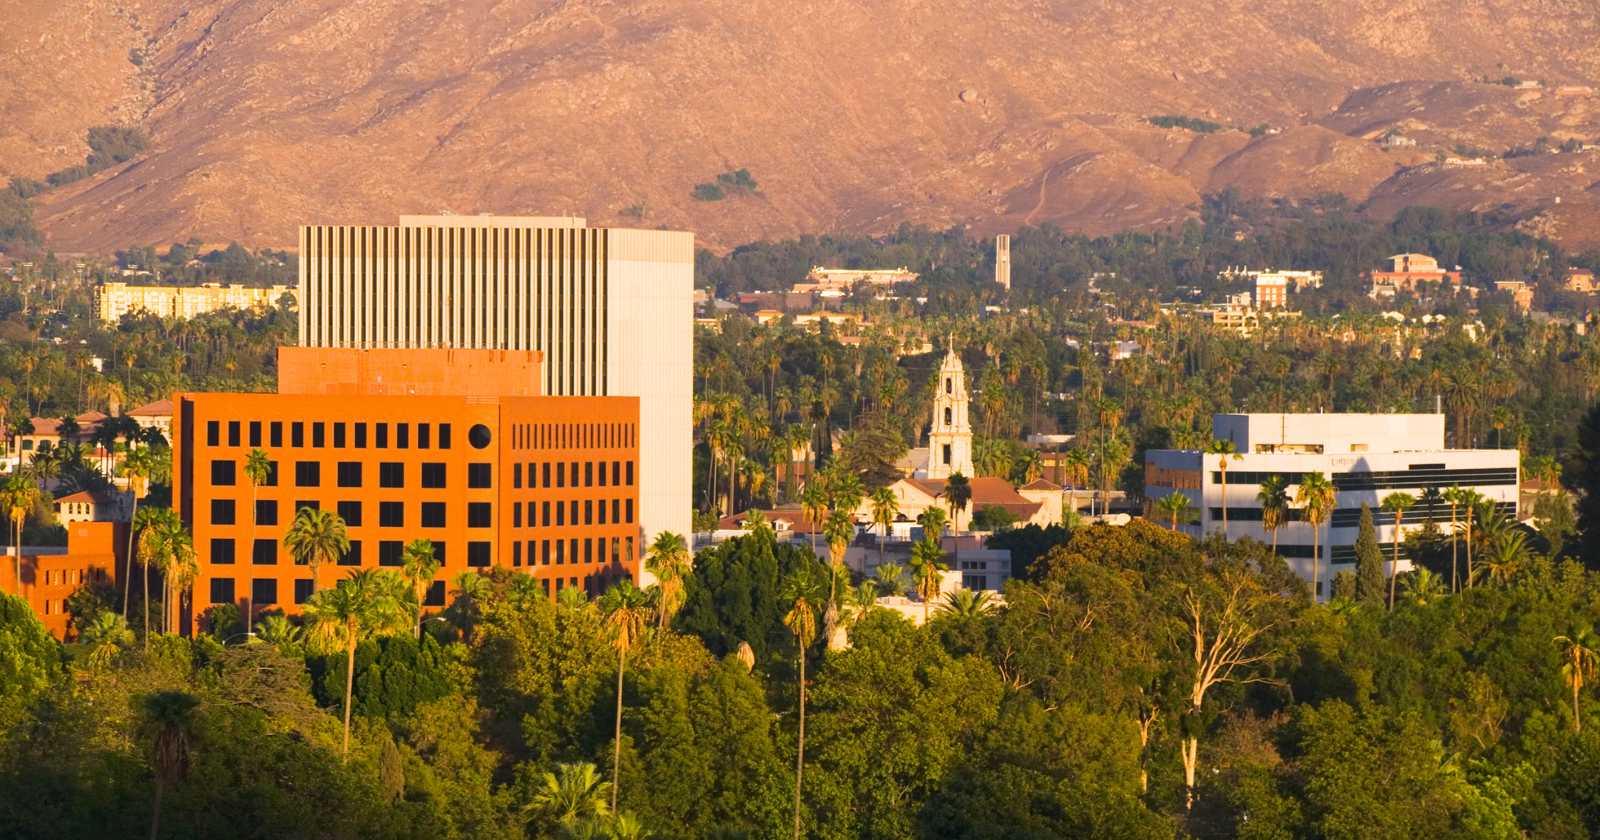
{"x":950,"y":441}
{"x":1002,"y":261}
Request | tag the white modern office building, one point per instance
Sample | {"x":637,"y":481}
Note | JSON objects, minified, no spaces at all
{"x":1365,"y":456}
{"x":611,"y":310}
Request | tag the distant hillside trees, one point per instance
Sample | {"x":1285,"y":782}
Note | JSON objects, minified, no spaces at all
{"x":1194,"y":124}
{"x":732,"y":182}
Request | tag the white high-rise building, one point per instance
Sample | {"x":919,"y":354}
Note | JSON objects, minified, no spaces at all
{"x":611,"y":310}
{"x":950,"y":440}
{"x":1002,"y":260}
{"x":1365,"y":456}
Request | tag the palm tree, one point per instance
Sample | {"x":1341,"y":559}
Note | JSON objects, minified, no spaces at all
{"x":418,"y":564}
{"x":1077,"y":463}
{"x":572,"y":796}
{"x":888,"y":575}
{"x":965,"y":603}
{"x":359,"y":606}
{"x":958,"y":493}
{"x":105,"y":636}
{"x":668,"y":558}
{"x":626,"y":611}
{"x":814,"y":503}
{"x":18,"y":495}
{"x":1422,"y":587}
{"x":315,"y":537}
{"x":885,"y":509}
{"x":1316,"y":497}
{"x":278,"y":631}
{"x":927,"y":567}
{"x":1453,"y":496}
{"x":167,"y":718}
{"x":1226,"y":449}
{"x":1506,"y":556}
{"x":140,"y":466}
{"x":1471,"y":500}
{"x":1274,"y":499}
{"x":1175,"y":506}
{"x":801,"y":592}
{"x":1580,"y":650}
{"x":1397,"y":504}
{"x":257,"y":471}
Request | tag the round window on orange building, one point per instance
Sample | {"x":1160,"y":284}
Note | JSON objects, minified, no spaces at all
{"x":479,"y":436}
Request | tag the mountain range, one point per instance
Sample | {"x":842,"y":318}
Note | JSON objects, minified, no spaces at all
{"x":1094,"y":115}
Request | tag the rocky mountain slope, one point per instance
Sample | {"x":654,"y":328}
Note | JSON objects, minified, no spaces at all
{"x":265,"y":114}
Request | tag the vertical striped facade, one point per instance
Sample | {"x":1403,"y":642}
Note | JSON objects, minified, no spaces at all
{"x":489,"y":287}
{"x":609,"y":308}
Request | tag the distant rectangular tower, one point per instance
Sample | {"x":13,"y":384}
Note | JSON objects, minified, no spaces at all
{"x":1002,"y":261}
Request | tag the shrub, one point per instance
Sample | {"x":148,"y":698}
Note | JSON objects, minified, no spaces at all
{"x":1194,"y":124}
{"x":707,"y":192}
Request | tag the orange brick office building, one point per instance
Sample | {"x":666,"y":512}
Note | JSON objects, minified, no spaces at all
{"x":94,"y":550}
{"x":455,"y":446}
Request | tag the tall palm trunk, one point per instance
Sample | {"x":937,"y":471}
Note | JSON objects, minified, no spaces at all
{"x":127,"y":563}
{"x":1394,"y":564}
{"x":1274,"y":542}
{"x":155,"y":809}
{"x":146,"y":568}
{"x":1316,"y":558}
{"x":349,"y":685}
{"x":1224,"y":473}
{"x":616,"y":747}
{"x":1577,"y":720}
{"x":16,"y":559}
{"x":1469,"y":548}
{"x":800,"y":752}
{"x":1455,"y":579}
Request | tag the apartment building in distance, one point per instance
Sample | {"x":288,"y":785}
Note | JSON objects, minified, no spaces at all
{"x":821,"y":279}
{"x":1406,"y":273}
{"x":114,"y":300}
{"x":1365,"y":456}
{"x":456,"y":446}
{"x":609,"y":309}
{"x":95,"y":550}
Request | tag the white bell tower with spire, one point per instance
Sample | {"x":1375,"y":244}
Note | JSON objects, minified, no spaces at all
{"x":950,"y":441}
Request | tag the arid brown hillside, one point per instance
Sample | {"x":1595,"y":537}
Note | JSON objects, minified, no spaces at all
{"x":265,"y":114}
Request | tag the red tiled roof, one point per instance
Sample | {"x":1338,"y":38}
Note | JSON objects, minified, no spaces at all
{"x":987,"y":491}
{"x":159,"y":408}
{"x":1041,"y":484}
{"x":795,"y":516}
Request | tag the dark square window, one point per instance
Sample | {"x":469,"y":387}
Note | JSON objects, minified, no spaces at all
{"x":338,"y":436}
{"x":544,"y":515}
{"x":627,"y":512}
{"x":353,"y":556}
{"x":222,"y":511}
{"x":433,"y":514}
{"x":255,"y":432}
{"x":588,"y":474}
{"x":600,"y":512}
{"x":263,"y":591}
{"x":545,"y":479}
{"x":313,"y":504}
{"x":213,"y":433}
{"x":307,"y":474}
{"x":479,"y":514}
{"x":516,"y":515}
{"x":627,"y":474}
{"x":222,"y":551}
{"x":424,"y":439}
{"x":602,"y":472}
{"x":233,"y":432}
{"x":272,"y":475}
{"x":391,"y":474}
{"x":438,"y":552}
{"x":478,"y":553}
{"x":435,"y":596}
{"x":222,"y":590}
{"x":392,"y":514}
{"x":516,"y":554}
{"x":533,"y":521}
{"x":297,"y":433}
{"x":616,"y":472}
{"x":561,"y":552}
{"x":380,"y":435}
{"x":222,"y":473}
{"x":588,"y":511}
{"x":444,"y":435}
{"x":319,"y":434}
{"x":544,"y":552}
{"x":361,"y":435}
{"x":516,"y":476}
{"x":390,"y":552}
{"x":349,"y":471}
{"x":616,"y":511}
{"x":433,"y":475}
{"x":275,"y":433}
{"x":266,"y":512}
{"x":350,"y":512}
{"x":402,"y":436}
{"x":561,"y":514}
{"x":480,"y":476}
{"x":264,"y":553}
{"x":303,"y":589}
{"x":561,"y":474}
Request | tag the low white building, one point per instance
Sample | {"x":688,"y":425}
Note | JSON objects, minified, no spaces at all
{"x":1365,"y":456}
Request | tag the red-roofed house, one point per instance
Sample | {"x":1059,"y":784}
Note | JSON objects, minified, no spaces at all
{"x":155,"y":415}
{"x":84,"y":506}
